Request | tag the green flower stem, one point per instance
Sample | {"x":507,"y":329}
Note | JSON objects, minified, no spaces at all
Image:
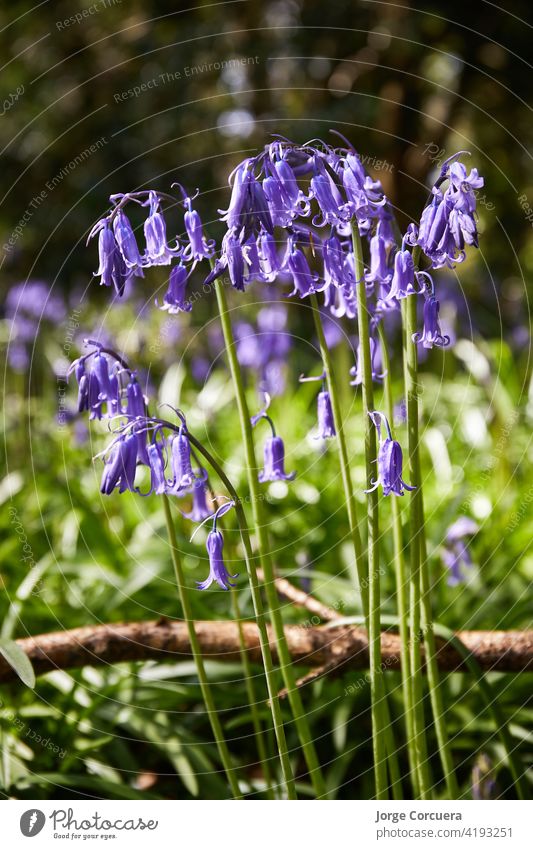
{"x":374,"y":610}
{"x":268,"y":663}
{"x":295,"y":701}
{"x":392,"y":753}
{"x":402,"y":581}
{"x":346,"y":475}
{"x":344,"y":460}
{"x":252,"y":699}
{"x":409,"y":320}
{"x":218,"y":734}
{"x":433,"y":677}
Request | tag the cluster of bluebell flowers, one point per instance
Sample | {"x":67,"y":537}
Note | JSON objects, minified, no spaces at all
{"x":292,"y":215}
{"x":108,"y":388}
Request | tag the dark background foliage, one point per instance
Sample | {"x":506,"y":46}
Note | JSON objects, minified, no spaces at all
{"x":402,"y":81}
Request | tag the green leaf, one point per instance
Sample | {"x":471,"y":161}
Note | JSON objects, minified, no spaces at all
{"x":19,"y":661}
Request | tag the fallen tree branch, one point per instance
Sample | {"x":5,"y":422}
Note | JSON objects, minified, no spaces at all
{"x":302,"y":599}
{"x":505,"y":651}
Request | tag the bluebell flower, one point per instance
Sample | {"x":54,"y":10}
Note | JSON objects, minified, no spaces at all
{"x":274,"y":461}
{"x":390,"y":460}
{"x":364,"y":194}
{"x":465,"y":186}
{"x":127,"y":242}
{"x":258,"y":214}
{"x":448,"y":223}
{"x":121,"y":275}
{"x":135,"y":400}
{"x":99,"y":374}
{"x":112,"y":268}
{"x":107,"y":250}
{"x":285,"y":199}
{"x":431,"y":334}
{"x":326,"y":423}
{"x":281,"y":212}
{"x":182,"y":474}
{"x":252,"y":261}
{"x":158,"y":251}
{"x":156,"y":462}
{"x":200,"y":510}
{"x":215,"y":545}
{"x":334,"y":210}
{"x":288,"y":183}
{"x":232,"y":259}
{"x":174,"y":300}
{"x":249,"y":207}
{"x":455,"y":554}
{"x":337,"y":268}
{"x":199,"y":246}
{"x":273,"y":451}
{"x":380,"y":270}
{"x":217,"y":568}
{"x":269,"y":262}
{"x":88,"y":393}
{"x":296,"y":264}
{"x":341,"y":302}
{"x":120,"y":466}
{"x":403,"y":278}
{"x":94,"y":385}
{"x":100,"y":368}
{"x":239,"y":179}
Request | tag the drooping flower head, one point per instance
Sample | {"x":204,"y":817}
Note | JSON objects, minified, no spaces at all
{"x":431,"y":334}
{"x":112,"y":268}
{"x":448,"y":222}
{"x":120,"y":465}
{"x":183,"y":476}
{"x":200,"y":509}
{"x":390,"y":459}
{"x":175,"y":299}
{"x":273,"y":450}
{"x":100,"y":375}
{"x":274,"y":461}
{"x":158,"y":251}
{"x":326,"y":422}
{"x":126,"y":241}
{"x":215,"y":545}
{"x":199,"y":247}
